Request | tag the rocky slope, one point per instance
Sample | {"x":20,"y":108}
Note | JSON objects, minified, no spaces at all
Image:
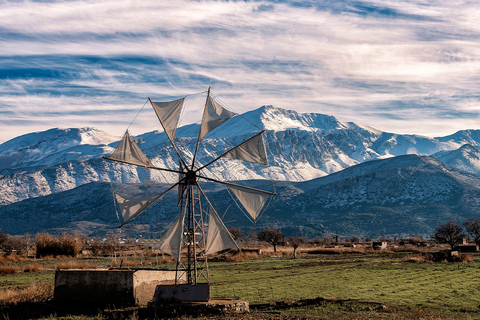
{"x":299,"y":146}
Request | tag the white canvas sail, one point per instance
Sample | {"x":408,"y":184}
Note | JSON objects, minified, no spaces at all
{"x":168,"y":113}
{"x":128,"y":151}
{"x":132,"y":205}
{"x":252,"y":201}
{"x":218,"y":237}
{"x":213,"y":116}
{"x":252,"y":150}
{"x":171,"y":241}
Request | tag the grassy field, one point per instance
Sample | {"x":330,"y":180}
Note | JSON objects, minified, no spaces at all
{"x":355,"y":286}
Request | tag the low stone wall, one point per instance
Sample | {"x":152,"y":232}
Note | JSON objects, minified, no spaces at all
{"x":123,"y":287}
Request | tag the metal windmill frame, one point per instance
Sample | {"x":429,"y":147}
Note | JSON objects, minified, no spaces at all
{"x":195,"y":266}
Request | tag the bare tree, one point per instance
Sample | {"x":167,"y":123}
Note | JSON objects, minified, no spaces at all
{"x":296,"y":242}
{"x":472,"y":225}
{"x":272,"y":236}
{"x":450,"y":232}
{"x":236,"y":232}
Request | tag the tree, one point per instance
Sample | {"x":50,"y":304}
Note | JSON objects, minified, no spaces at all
{"x":295,"y":242}
{"x":236,"y":232}
{"x":3,"y":238}
{"x":272,"y":236}
{"x":472,"y":225}
{"x":450,"y":232}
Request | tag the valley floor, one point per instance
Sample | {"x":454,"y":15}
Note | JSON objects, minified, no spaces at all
{"x":325,"y":284}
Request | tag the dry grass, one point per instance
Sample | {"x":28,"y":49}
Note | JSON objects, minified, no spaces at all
{"x":240,"y":256}
{"x":13,"y":257}
{"x":33,"y":267}
{"x":466,"y":258}
{"x":72,"y":264}
{"x":65,"y":245}
{"x":4,"y":270}
{"x":118,"y":263}
{"x":32,"y":293}
{"x":415,"y":258}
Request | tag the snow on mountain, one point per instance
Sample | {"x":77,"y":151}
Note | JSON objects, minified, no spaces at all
{"x":401,"y":196}
{"x":466,"y":158}
{"x":54,"y":146}
{"x":299,"y":147}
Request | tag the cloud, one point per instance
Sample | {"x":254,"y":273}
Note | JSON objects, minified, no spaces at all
{"x":400,"y":66}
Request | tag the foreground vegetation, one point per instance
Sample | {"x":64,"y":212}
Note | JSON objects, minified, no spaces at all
{"x":354,"y":283}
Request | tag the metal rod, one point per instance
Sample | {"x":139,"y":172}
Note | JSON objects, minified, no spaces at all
{"x":149,"y":167}
{"x":200,"y":130}
{"x":228,"y":151}
{"x":238,"y":186}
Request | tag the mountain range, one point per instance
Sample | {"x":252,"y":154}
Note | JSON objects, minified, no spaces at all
{"x":330,"y":176}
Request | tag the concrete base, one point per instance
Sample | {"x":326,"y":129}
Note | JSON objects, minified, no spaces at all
{"x":122,"y":287}
{"x":182,"y":292}
{"x":211,"y":307}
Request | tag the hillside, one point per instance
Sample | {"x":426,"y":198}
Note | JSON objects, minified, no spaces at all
{"x":299,"y":147}
{"x":400,"y":196}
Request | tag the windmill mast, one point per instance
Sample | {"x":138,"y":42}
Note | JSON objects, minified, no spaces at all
{"x":188,"y":232}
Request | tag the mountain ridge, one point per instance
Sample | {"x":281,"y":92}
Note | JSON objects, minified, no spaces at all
{"x":402,"y":196}
{"x":299,"y":147}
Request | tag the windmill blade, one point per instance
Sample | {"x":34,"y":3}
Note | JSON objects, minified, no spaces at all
{"x":171,"y":241}
{"x":218,"y":236}
{"x":252,"y":201}
{"x":168,"y":113}
{"x":149,"y":167}
{"x":251,"y":150}
{"x":213,"y":116}
{"x":128,"y":151}
{"x":239,"y":186}
{"x":133,"y":205}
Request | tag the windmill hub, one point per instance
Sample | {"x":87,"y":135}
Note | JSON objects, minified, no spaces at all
{"x":191,"y":177}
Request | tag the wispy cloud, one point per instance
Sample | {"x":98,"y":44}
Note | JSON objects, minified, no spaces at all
{"x":402,"y":66}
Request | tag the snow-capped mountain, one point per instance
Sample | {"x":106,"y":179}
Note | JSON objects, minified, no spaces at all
{"x":299,"y":147}
{"x":466,"y":158}
{"x":399,"y":196}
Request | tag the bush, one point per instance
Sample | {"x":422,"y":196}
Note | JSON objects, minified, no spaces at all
{"x":72,"y":264}
{"x":65,"y":245}
{"x":4,"y":270}
{"x":33,"y":267}
{"x":32,"y":293}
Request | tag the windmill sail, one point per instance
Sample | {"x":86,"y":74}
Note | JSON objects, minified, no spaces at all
{"x":128,"y":151}
{"x":168,"y":113}
{"x":132,"y":205}
{"x":171,"y":241}
{"x":252,"y":201}
{"x":213,"y":116}
{"x":218,"y":237}
{"x":252,"y":150}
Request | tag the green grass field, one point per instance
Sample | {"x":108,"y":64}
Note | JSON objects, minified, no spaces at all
{"x":360,"y":283}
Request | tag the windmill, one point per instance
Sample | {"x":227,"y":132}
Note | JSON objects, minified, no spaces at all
{"x":189,"y":233}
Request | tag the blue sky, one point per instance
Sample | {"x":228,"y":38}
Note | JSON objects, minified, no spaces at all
{"x":397,"y":66}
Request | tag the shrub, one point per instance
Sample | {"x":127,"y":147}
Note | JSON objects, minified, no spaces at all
{"x":33,"y":267}
{"x":31,"y":293}
{"x":65,"y":245}
{"x":4,"y":270}
{"x":72,"y":264}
